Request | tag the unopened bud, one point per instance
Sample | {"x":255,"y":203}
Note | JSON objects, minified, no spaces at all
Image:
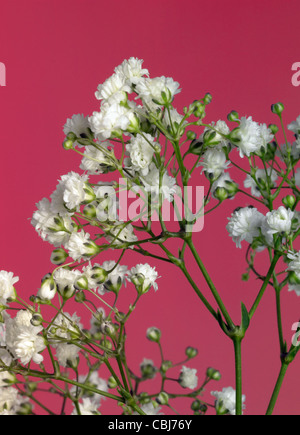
{"x":90,"y":211}
{"x":221,"y":194}
{"x":163,"y":398}
{"x":48,"y":288}
{"x":191,"y":352}
{"x":154,"y":334}
{"x":82,"y":283}
{"x":68,"y":144}
{"x":58,"y":256}
{"x":233,"y":116}
{"x":289,"y":201}
{"x":213,"y":374}
{"x":99,"y":275}
{"x":274,"y":129}
{"x":112,"y":383}
{"x":207,"y":99}
{"x":36,"y":319}
{"x":277,"y":108}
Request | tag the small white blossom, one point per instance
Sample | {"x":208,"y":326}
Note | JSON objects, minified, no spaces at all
{"x":152,"y":89}
{"x":245,"y":224}
{"x":188,"y":378}
{"x":132,"y":70}
{"x":252,"y":136}
{"x":96,"y":161}
{"x":279,"y":221}
{"x":145,"y":276}
{"x":80,"y":246}
{"x":151,"y":181}
{"x":121,"y":233}
{"x":114,"y":89}
{"x":226,"y":401}
{"x":141,"y":150}
{"x":7,"y":282}
{"x":87,"y":407}
{"x":78,"y":125}
{"x":295,"y":126}
{"x":214,"y":163}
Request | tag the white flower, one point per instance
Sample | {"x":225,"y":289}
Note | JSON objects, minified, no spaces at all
{"x":152,"y":89}
{"x":50,"y":226}
{"x":66,"y":279}
{"x":113,"y":119}
{"x":214,"y":163}
{"x":226,"y":401}
{"x":95,"y":161}
{"x":78,"y":125}
{"x":141,"y":150}
{"x":23,"y":339}
{"x":151,"y":181}
{"x":107,"y":202}
{"x":11,"y":401}
{"x":294,"y":288}
{"x":294,"y":265}
{"x":263,"y":178}
{"x":115,"y":279}
{"x":295,"y":126}
{"x":245,"y":224}
{"x":87,"y":407}
{"x":132,"y":70}
{"x":67,"y":354}
{"x":7,"y":282}
{"x":252,"y":136}
{"x":80,"y":246}
{"x":69,"y":193}
{"x":279,"y":221}
{"x":188,"y":378}
{"x":144,"y":276}
{"x":221,"y":128}
{"x":114,"y":89}
{"x":172,"y":117}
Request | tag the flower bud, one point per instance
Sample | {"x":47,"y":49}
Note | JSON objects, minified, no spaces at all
{"x":207,"y":98}
{"x":145,"y":398}
{"x":99,"y":275}
{"x":112,"y":383}
{"x":154,"y":334}
{"x":163,"y":398}
{"x":58,"y":256}
{"x":289,"y":201}
{"x":233,"y":116}
{"x":213,"y":374}
{"x":196,"y":147}
{"x":82,"y":283}
{"x":277,"y":108}
{"x":191,"y":135}
{"x":25,"y":409}
{"x":294,"y":279}
{"x":196,"y":405}
{"x":148,"y":370}
{"x":221,"y":194}
{"x":80,"y":297}
{"x":191,"y":352}
{"x":68,"y":144}
{"x":274,"y":129}
{"x":90,"y":195}
{"x":36,"y":319}
{"x":48,"y":288}
{"x":107,"y":328}
{"x":90,"y":211}
{"x":166,"y":365}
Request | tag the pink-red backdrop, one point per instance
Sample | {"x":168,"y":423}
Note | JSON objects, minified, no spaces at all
{"x":56,"y":52}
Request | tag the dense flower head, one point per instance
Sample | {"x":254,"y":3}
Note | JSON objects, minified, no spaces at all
{"x":7,"y":282}
{"x":245,"y":224}
{"x":226,"y":401}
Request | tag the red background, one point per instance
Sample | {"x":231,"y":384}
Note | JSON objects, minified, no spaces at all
{"x":56,"y":52}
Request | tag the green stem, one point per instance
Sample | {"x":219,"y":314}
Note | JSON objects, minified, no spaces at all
{"x":238,"y":373}
{"x":277,"y":388}
{"x":211,"y":285}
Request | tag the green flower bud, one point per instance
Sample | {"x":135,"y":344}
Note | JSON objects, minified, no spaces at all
{"x":213,"y":374}
{"x":207,"y":98}
{"x":163,"y":398}
{"x":191,"y":352}
{"x":36,"y":319}
{"x":144,"y":398}
{"x":68,"y":144}
{"x":112,"y":383}
{"x":196,"y":147}
{"x":294,"y":279}
{"x":289,"y":201}
{"x":196,"y":405}
{"x":99,"y":275}
{"x":221,"y":194}
{"x":80,"y":297}
{"x":166,"y":365}
{"x":274,"y":129}
{"x":58,"y":256}
{"x":71,"y":136}
{"x":90,"y":195}
{"x":148,"y":370}
{"x":277,"y":108}
{"x":154,"y":334}
{"x":233,"y":116}
{"x":90,"y":211}
{"x":191,"y":135}
{"x":82,"y":283}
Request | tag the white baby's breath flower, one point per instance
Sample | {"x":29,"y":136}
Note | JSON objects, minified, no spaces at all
{"x":226,"y":401}
{"x":279,"y":221}
{"x":80,"y":246}
{"x":245,"y":224}
{"x":214,"y":163}
{"x":79,"y":125}
{"x":151,"y":181}
{"x":295,"y":126}
{"x":188,"y":378}
{"x":141,"y":150}
{"x":132,"y":70}
{"x":121,"y":233}
{"x":114,"y":89}
{"x":7,"y":282}
{"x":144,"y":276}
{"x":96,"y":161}
{"x":252,"y":136}
{"x":160,"y":89}
{"x":87,"y":407}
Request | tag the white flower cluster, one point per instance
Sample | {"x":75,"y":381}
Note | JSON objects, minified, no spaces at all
{"x":226,"y":401}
